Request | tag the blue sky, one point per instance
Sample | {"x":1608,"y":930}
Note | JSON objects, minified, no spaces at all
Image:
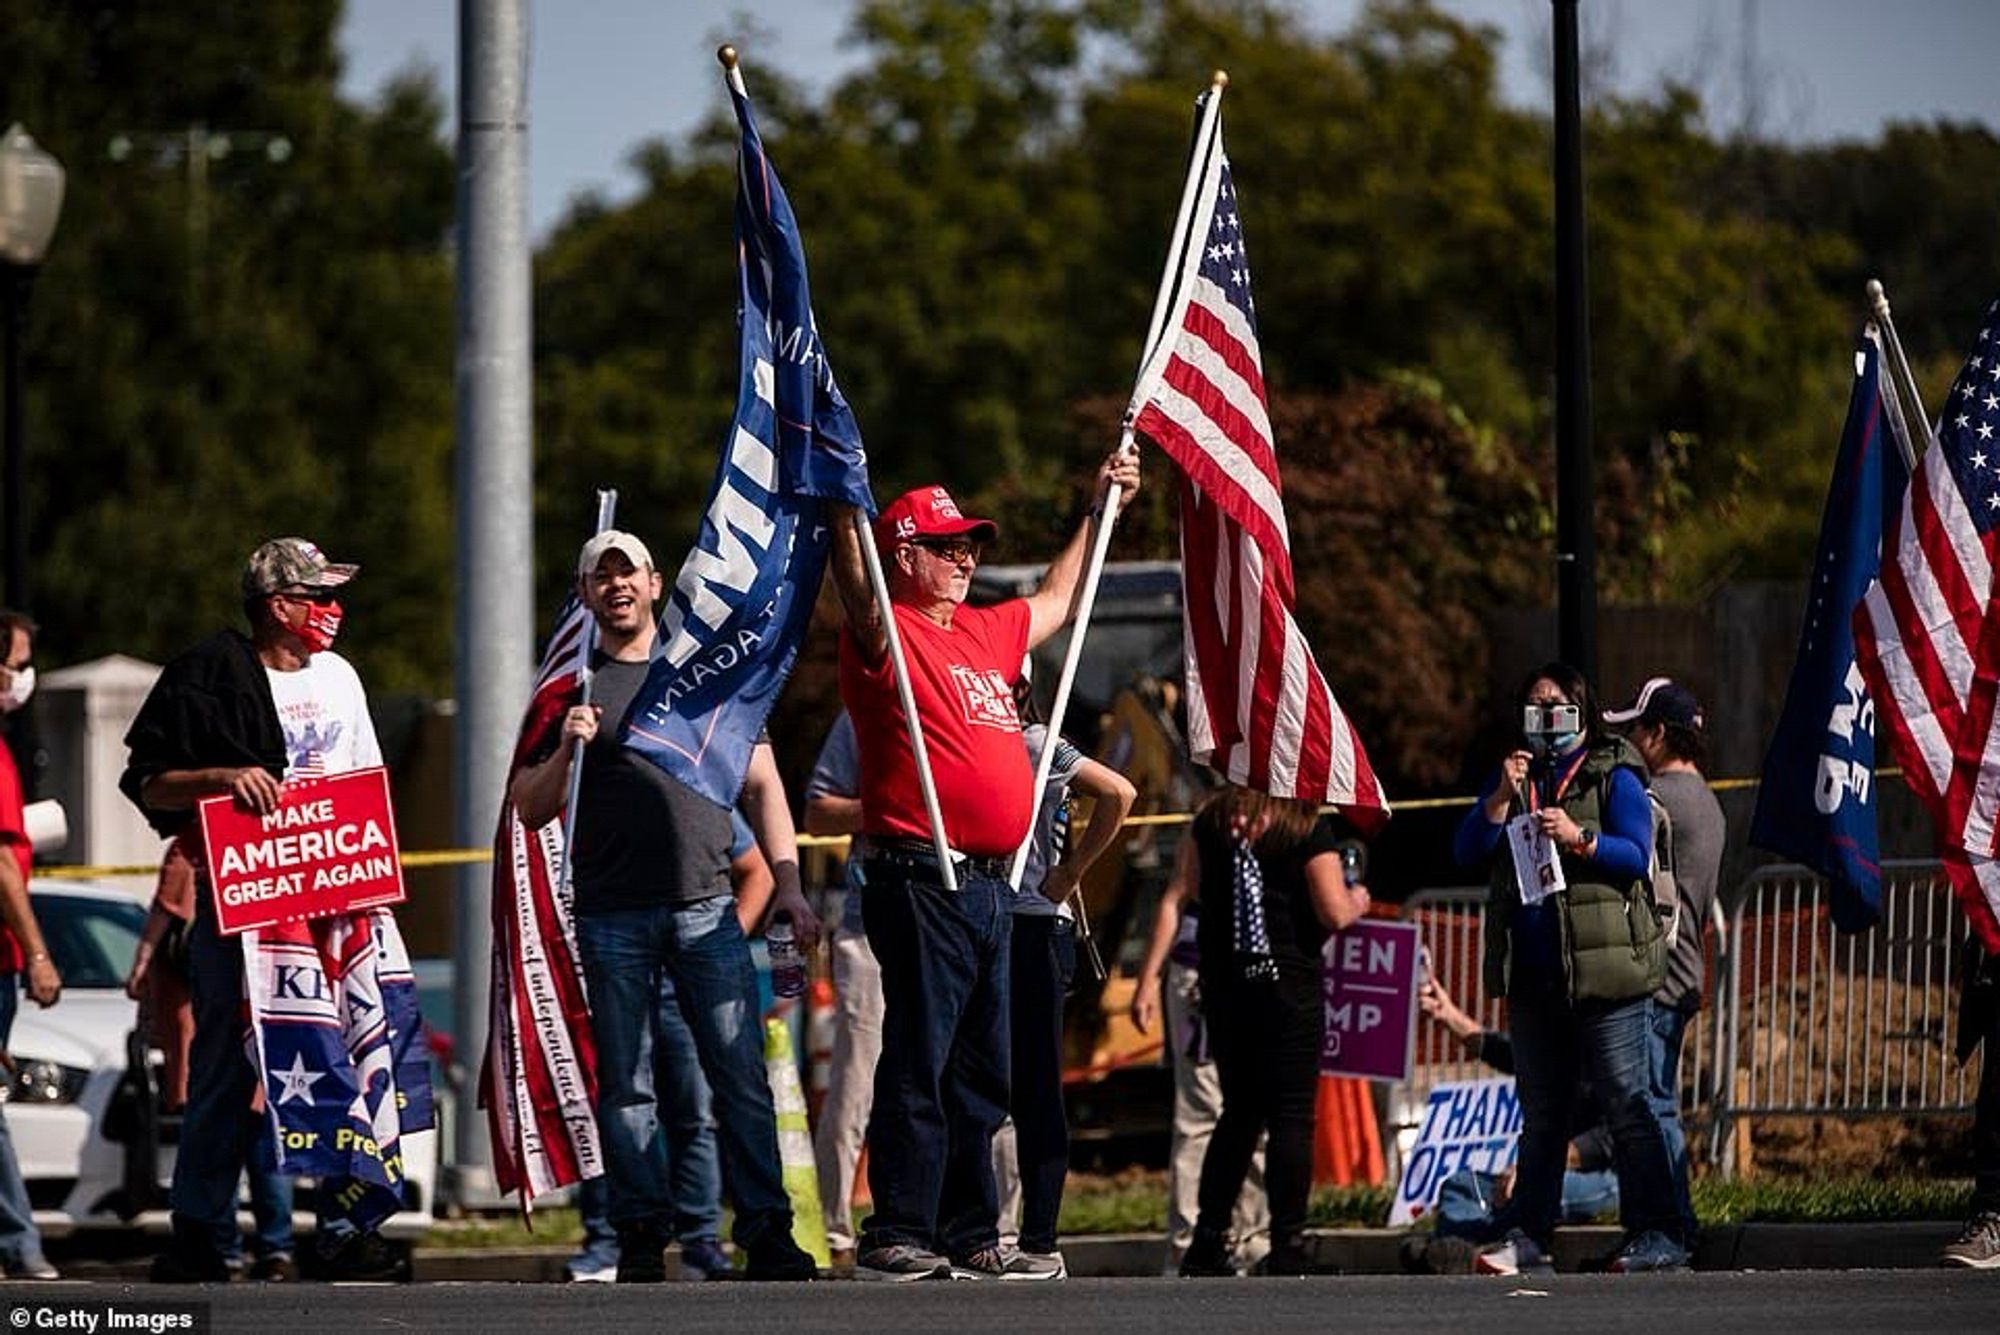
{"x":606,"y":74}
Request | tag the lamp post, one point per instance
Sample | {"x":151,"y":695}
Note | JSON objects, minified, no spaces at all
{"x":31,"y":194}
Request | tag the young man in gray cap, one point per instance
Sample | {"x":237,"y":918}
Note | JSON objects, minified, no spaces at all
{"x":653,"y":897}
{"x":236,"y":715}
{"x":1666,"y":723}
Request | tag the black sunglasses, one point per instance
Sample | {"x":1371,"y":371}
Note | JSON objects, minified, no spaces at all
{"x":953,"y":550}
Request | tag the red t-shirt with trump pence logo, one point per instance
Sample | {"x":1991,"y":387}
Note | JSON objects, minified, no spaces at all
{"x":963,"y":678}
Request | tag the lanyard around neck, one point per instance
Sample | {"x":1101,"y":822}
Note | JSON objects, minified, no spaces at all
{"x":1562,"y":783}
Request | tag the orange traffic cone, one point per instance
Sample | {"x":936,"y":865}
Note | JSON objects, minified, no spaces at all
{"x":1347,"y":1145}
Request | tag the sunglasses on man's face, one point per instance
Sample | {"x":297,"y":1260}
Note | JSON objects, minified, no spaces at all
{"x":955,"y":550}
{"x":309,"y":595}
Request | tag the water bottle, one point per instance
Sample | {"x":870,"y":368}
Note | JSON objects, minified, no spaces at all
{"x":788,"y":967}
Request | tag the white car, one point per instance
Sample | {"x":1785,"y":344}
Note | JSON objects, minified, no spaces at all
{"x":76,"y":1108}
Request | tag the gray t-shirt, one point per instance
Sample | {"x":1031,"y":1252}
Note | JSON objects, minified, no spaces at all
{"x":1699,"y":830}
{"x":643,"y":838}
{"x":837,"y":773}
{"x":1029,"y":899}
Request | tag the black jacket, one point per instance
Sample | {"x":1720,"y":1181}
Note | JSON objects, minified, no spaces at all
{"x":211,"y":707}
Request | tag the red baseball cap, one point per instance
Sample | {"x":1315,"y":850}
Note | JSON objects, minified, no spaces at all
{"x":928,"y":512}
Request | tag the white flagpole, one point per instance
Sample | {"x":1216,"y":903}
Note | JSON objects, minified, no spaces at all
{"x":925,"y":784}
{"x":607,"y":506}
{"x":1901,"y":382}
{"x":879,"y":586}
{"x":1086,"y":603}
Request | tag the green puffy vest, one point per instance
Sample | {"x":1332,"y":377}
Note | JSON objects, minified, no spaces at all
{"x":1613,"y":946}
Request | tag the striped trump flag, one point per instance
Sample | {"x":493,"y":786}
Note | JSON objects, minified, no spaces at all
{"x":1928,"y":634}
{"x":1259,"y":709}
{"x":538,"y":1080}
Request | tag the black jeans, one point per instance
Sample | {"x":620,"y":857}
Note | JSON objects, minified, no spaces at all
{"x":1043,"y":959}
{"x":1266,"y":1039}
{"x":941,"y":1082}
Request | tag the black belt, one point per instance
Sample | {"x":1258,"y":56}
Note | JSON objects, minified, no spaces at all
{"x":917,"y":853}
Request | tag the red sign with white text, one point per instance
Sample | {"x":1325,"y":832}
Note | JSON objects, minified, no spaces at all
{"x":330,"y":847}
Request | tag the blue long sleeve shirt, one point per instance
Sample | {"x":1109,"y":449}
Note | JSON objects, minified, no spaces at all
{"x":1624,"y":845}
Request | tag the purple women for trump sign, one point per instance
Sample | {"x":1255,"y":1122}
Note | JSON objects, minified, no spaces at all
{"x":1370,"y":981}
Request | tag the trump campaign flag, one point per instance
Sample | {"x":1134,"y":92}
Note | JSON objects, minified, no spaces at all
{"x":1259,"y":709}
{"x":738,"y":610}
{"x":538,"y":1079}
{"x":1816,"y":803}
{"x":1928,"y":632}
{"x":339,"y":1049}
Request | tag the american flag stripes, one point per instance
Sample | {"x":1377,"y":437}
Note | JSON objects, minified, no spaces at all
{"x":1928,"y":634}
{"x":538,"y":1081}
{"x":1259,"y":709}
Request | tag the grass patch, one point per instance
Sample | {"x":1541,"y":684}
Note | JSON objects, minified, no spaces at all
{"x":553,"y":1228}
{"x":1830,"y":1201}
{"x":1135,"y":1201}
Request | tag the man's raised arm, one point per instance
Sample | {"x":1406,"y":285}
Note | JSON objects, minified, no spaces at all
{"x":850,"y":581}
{"x":1053,"y":602}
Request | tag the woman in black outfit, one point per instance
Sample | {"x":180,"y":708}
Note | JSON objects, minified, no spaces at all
{"x":1268,"y":874}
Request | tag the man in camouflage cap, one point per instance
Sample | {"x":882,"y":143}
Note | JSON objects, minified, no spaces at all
{"x":237,"y":715}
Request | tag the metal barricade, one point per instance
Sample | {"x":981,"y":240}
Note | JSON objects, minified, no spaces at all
{"x":1800,"y":1019}
{"x":1851,"y":1025}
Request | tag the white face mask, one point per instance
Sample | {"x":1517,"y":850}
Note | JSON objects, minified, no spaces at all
{"x":20,"y":685}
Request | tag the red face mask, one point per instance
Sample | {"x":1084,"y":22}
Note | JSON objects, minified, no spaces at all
{"x":321,"y":625}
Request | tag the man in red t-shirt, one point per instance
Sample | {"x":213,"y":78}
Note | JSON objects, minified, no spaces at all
{"x":24,"y":957}
{"x":941,"y":1082}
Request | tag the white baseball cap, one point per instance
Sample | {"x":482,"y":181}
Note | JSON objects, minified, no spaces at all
{"x":612,"y":540}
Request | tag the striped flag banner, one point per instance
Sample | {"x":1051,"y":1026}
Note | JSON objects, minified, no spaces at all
{"x":1259,"y":708}
{"x":538,"y":1079}
{"x":1928,"y":634}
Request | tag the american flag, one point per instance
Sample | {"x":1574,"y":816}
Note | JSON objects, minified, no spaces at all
{"x":538,"y":1081}
{"x":1928,"y":633}
{"x":1259,"y":709}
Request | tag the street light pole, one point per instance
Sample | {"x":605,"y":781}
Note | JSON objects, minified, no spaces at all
{"x":31,"y":192}
{"x":1576,"y":501}
{"x":15,"y":281}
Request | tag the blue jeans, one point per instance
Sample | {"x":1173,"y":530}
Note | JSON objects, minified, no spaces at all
{"x":1465,"y":1205}
{"x":1556,"y":1042}
{"x":631,"y":958}
{"x":20,"y":1240}
{"x":941,"y":1084}
{"x":694,"y":1173}
{"x":1663,"y":1048}
{"x":218,"y":1129}
{"x":271,"y":1197}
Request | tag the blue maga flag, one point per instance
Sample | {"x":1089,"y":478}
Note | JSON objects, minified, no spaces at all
{"x":738,"y":611}
{"x":1816,"y":804}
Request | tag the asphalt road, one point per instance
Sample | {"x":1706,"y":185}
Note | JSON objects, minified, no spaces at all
{"x":1822,"y":1303}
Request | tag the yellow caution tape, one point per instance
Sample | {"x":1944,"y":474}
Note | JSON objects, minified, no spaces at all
{"x":456,"y":857}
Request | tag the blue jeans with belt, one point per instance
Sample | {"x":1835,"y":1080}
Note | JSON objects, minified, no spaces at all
{"x":697,"y":953}
{"x":941,"y":1084}
{"x":20,"y":1240}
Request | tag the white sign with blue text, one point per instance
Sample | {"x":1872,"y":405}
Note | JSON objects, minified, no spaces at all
{"x":1472,"y":1124}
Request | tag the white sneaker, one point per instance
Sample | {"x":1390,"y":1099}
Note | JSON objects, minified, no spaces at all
{"x":1517,"y":1255}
